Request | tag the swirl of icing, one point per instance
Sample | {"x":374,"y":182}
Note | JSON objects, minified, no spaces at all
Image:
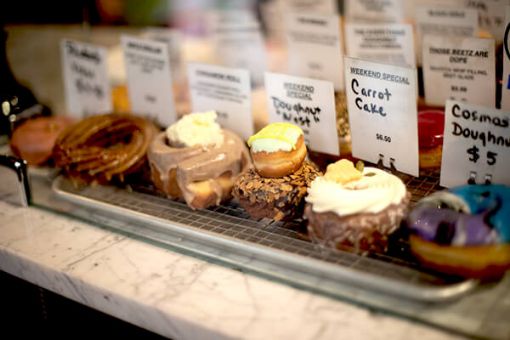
{"x":195,"y":129}
{"x":372,"y":193}
{"x":275,"y":137}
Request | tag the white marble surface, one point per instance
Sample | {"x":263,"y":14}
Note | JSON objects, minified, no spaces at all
{"x":176,"y":295}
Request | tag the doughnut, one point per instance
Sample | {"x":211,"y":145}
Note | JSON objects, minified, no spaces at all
{"x":353,"y":210}
{"x":277,"y":150}
{"x":104,"y":147}
{"x":197,"y":161}
{"x":430,"y":138}
{"x":276,"y":187}
{"x":34,"y":139}
{"x":463,"y":231}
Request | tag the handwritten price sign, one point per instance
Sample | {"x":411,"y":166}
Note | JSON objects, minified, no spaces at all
{"x":87,"y":88}
{"x":476,"y":141}
{"x":382,"y":113}
{"x":307,"y":103}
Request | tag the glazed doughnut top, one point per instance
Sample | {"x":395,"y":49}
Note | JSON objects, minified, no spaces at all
{"x":275,"y":137}
{"x":345,"y":190}
{"x":465,"y":215}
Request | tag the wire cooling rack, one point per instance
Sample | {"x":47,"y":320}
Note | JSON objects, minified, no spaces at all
{"x":394,"y":272}
{"x":392,"y":282}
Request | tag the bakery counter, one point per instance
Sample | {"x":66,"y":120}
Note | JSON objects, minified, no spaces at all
{"x":176,"y":294}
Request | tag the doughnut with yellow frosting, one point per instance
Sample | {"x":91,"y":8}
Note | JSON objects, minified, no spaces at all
{"x":276,"y":187}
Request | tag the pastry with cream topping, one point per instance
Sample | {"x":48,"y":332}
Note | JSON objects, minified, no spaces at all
{"x":276,"y":187}
{"x":198,"y":161}
{"x":355,"y":210}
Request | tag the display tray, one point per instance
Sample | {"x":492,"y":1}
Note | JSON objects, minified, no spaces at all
{"x":229,"y":229}
{"x":389,"y":283}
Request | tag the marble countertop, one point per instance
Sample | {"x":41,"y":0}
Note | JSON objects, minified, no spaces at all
{"x":172,"y":294}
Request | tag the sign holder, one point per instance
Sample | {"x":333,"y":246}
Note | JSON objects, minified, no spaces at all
{"x":380,"y":163}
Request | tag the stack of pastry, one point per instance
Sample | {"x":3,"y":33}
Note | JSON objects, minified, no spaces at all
{"x":197,"y":161}
{"x":276,"y":187}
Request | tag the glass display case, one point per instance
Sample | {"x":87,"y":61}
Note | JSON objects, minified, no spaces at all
{"x":392,"y":280}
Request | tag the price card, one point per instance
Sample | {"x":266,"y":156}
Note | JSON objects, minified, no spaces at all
{"x":411,"y":6}
{"x":476,"y":143}
{"x":172,"y":38}
{"x":385,"y":43}
{"x":314,"y":47}
{"x":311,"y":6}
{"x":238,"y":42}
{"x":308,"y":103}
{"x":444,"y":21}
{"x":505,"y":88}
{"x":149,"y":80}
{"x":382,"y":113}
{"x":491,"y":15}
{"x":225,"y":90}
{"x":459,"y":69}
{"x":86,"y":84}
{"x":371,"y":11}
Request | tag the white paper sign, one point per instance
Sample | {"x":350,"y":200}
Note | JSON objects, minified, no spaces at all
{"x":315,"y":47}
{"x":307,"y":103}
{"x":371,"y":11}
{"x":172,"y":38}
{"x":238,"y":42}
{"x":505,"y":88}
{"x":382,"y":113}
{"x":410,"y":6}
{"x":225,"y":90}
{"x":149,"y":80}
{"x":444,"y":21}
{"x":384,"y":43}
{"x":476,"y":140}
{"x":459,"y":69}
{"x":311,"y":6}
{"x":491,"y":15}
{"x":86,"y":84}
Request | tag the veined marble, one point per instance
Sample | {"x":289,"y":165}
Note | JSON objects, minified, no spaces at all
{"x":173,"y":294}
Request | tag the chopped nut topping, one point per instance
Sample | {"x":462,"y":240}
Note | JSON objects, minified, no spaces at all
{"x":285,"y":191}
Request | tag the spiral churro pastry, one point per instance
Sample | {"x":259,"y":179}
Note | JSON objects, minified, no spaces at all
{"x":103,"y":147}
{"x":198,"y":161}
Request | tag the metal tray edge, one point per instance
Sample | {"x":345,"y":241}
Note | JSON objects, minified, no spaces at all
{"x":290,"y":261}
